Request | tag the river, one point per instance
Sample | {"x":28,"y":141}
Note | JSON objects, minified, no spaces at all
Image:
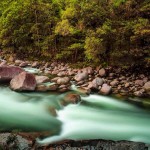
{"x":96,"y":117}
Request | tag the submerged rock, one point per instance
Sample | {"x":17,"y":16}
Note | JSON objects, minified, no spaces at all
{"x":52,"y":110}
{"x":9,"y":72}
{"x":71,"y":98}
{"x":23,"y":82}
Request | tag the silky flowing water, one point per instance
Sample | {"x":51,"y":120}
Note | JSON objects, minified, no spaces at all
{"x":96,"y":117}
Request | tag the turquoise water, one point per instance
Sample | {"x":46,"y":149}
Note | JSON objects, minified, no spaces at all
{"x":96,"y":117}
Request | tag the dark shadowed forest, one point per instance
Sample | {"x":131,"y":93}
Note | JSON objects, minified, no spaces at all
{"x":109,"y":32}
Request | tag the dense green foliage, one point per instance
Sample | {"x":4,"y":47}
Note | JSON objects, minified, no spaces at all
{"x":97,"y":31}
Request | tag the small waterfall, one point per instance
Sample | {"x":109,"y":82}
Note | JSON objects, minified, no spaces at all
{"x":103,"y":118}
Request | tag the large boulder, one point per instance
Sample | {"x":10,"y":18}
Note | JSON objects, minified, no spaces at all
{"x":106,"y":89}
{"x":23,"y":82}
{"x":147,"y":87}
{"x":41,"y":79}
{"x":81,"y":76}
{"x":9,"y":72}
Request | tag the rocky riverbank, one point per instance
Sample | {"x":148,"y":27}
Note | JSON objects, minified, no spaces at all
{"x":25,"y":141}
{"x":59,"y":77}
